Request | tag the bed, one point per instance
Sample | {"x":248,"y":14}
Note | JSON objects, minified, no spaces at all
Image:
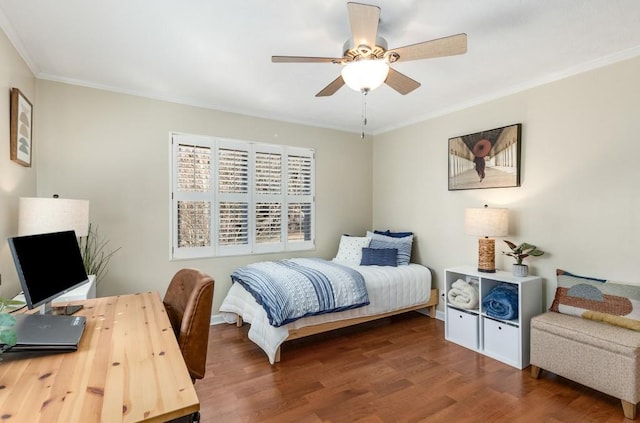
{"x":390,"y":289}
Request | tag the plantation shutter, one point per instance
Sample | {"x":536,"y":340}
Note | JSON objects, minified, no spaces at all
{"x":268,"y":198}
{"x":192,"y":199}
{"x":233,"y":198}
{"x":300,"y":197}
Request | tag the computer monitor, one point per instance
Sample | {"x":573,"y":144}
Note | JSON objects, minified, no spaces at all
{"x":48,"y":266}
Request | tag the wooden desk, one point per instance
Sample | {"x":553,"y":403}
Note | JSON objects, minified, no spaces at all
{"x":128,"y":368}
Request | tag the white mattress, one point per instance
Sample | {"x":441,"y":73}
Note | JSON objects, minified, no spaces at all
{"x":389,"y":289}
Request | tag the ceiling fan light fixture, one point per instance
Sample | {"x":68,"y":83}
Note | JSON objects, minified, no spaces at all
{"x":365,"y":75}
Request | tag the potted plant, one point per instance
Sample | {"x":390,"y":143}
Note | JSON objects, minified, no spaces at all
{"x":520,"y":252}
{"x":7,"y":322}
{"x":96,"y":253}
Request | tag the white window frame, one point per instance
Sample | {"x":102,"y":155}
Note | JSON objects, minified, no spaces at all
{"x":252,"y":197}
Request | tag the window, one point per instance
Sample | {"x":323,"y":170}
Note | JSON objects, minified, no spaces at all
{"x":234,"y":197}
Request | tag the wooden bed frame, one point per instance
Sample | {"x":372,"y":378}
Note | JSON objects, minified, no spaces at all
{"x":325,"y":327}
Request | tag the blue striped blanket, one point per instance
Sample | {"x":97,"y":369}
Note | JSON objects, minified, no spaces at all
{"x":294,"y":288}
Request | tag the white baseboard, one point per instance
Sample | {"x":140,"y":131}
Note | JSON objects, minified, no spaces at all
{"x":425,"y":311}
{"x":216,"y":319}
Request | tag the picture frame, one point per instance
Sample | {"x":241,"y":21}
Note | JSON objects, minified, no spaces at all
{"x":487,"y":159}
{"x":21,"y":128}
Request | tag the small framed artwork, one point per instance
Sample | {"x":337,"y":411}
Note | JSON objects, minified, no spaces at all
{"x":487,"y":159}
{"x":21,"y":128}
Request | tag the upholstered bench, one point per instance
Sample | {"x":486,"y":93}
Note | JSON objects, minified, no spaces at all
{"x":591,"y":335}
{"x":596,"y":354}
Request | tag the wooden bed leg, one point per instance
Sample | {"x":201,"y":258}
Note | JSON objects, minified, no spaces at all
{"x":432,"y":312}
{"x":239,"y":322}
{"x":277,"y":359}
{"x":629,"y":410}
{"x":535,"y":371}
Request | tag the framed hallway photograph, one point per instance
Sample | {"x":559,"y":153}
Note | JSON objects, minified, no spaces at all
{"x":21,"y":128}
{"x":487,"y":159}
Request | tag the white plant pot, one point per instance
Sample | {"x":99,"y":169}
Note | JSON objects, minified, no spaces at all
{"x":520,"y":270}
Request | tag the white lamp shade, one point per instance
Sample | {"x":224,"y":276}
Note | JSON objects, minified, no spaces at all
{"x":365,"y":75}
{"x":486,"y":221}
{"x":45,"y":215}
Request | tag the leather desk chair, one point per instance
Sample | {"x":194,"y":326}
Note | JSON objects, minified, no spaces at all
{"x":188,"y":303}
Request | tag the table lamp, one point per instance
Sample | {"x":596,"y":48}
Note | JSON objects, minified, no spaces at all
{"x":486,"y":222}
{"x":44,"y":215}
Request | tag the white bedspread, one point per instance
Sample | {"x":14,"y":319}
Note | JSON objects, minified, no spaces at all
{"x":389,"y":288}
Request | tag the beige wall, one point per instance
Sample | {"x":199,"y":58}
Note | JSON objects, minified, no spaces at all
{"x":113,"y":149}
{"x":15,"y":180}
{"x":579,"y":198}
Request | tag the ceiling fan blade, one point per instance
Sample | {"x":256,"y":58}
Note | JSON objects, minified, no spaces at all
{"x":364,"y":20}
{"x":330,"y":89}
{"x":303,"y":59}
{"x":447,"y":46}
{"x":400,"y":82}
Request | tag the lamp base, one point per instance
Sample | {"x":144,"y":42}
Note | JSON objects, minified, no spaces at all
{"x":486,"y":255}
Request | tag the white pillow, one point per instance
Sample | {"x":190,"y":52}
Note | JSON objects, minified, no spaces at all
{"x":350,"y":249}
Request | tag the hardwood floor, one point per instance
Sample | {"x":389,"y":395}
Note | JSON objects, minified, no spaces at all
{"x":398,"y":369}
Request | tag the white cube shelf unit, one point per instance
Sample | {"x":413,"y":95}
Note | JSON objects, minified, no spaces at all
{"x":503,"y":340}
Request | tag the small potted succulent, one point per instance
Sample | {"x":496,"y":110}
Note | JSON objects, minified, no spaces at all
{"x":7,"y":323}
{"x":520,"y":252}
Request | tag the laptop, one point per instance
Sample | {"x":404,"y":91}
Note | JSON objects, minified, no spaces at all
{"x":46,"y":332}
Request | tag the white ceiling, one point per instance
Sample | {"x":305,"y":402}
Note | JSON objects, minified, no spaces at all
{"x":217,"y":54}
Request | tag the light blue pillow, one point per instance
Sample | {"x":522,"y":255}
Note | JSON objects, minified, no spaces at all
{"x":379,"y":257}
{"x":402,"y":244}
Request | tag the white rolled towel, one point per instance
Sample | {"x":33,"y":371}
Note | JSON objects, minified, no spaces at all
{"x":463,"y":294}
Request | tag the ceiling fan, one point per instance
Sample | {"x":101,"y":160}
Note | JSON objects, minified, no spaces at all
{"x":367,"y":49}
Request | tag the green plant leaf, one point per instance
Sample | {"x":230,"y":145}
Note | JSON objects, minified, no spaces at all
{"x":7,"y":331}
{"x":96,"y":253}
{"x":10,"y":303}
{"x":510,"y":244}
{"x":5,"y":303}
{"x":8,"y":337}
{"x":7,"y":320}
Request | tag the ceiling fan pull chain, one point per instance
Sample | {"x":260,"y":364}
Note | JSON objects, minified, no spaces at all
{"x":364,"y":112}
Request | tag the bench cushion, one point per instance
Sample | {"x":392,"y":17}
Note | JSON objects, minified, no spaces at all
{"x":600,"y":335}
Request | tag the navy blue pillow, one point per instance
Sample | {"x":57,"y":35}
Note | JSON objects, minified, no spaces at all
{"x":379,"y":257}
{"x":393,"y":234}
